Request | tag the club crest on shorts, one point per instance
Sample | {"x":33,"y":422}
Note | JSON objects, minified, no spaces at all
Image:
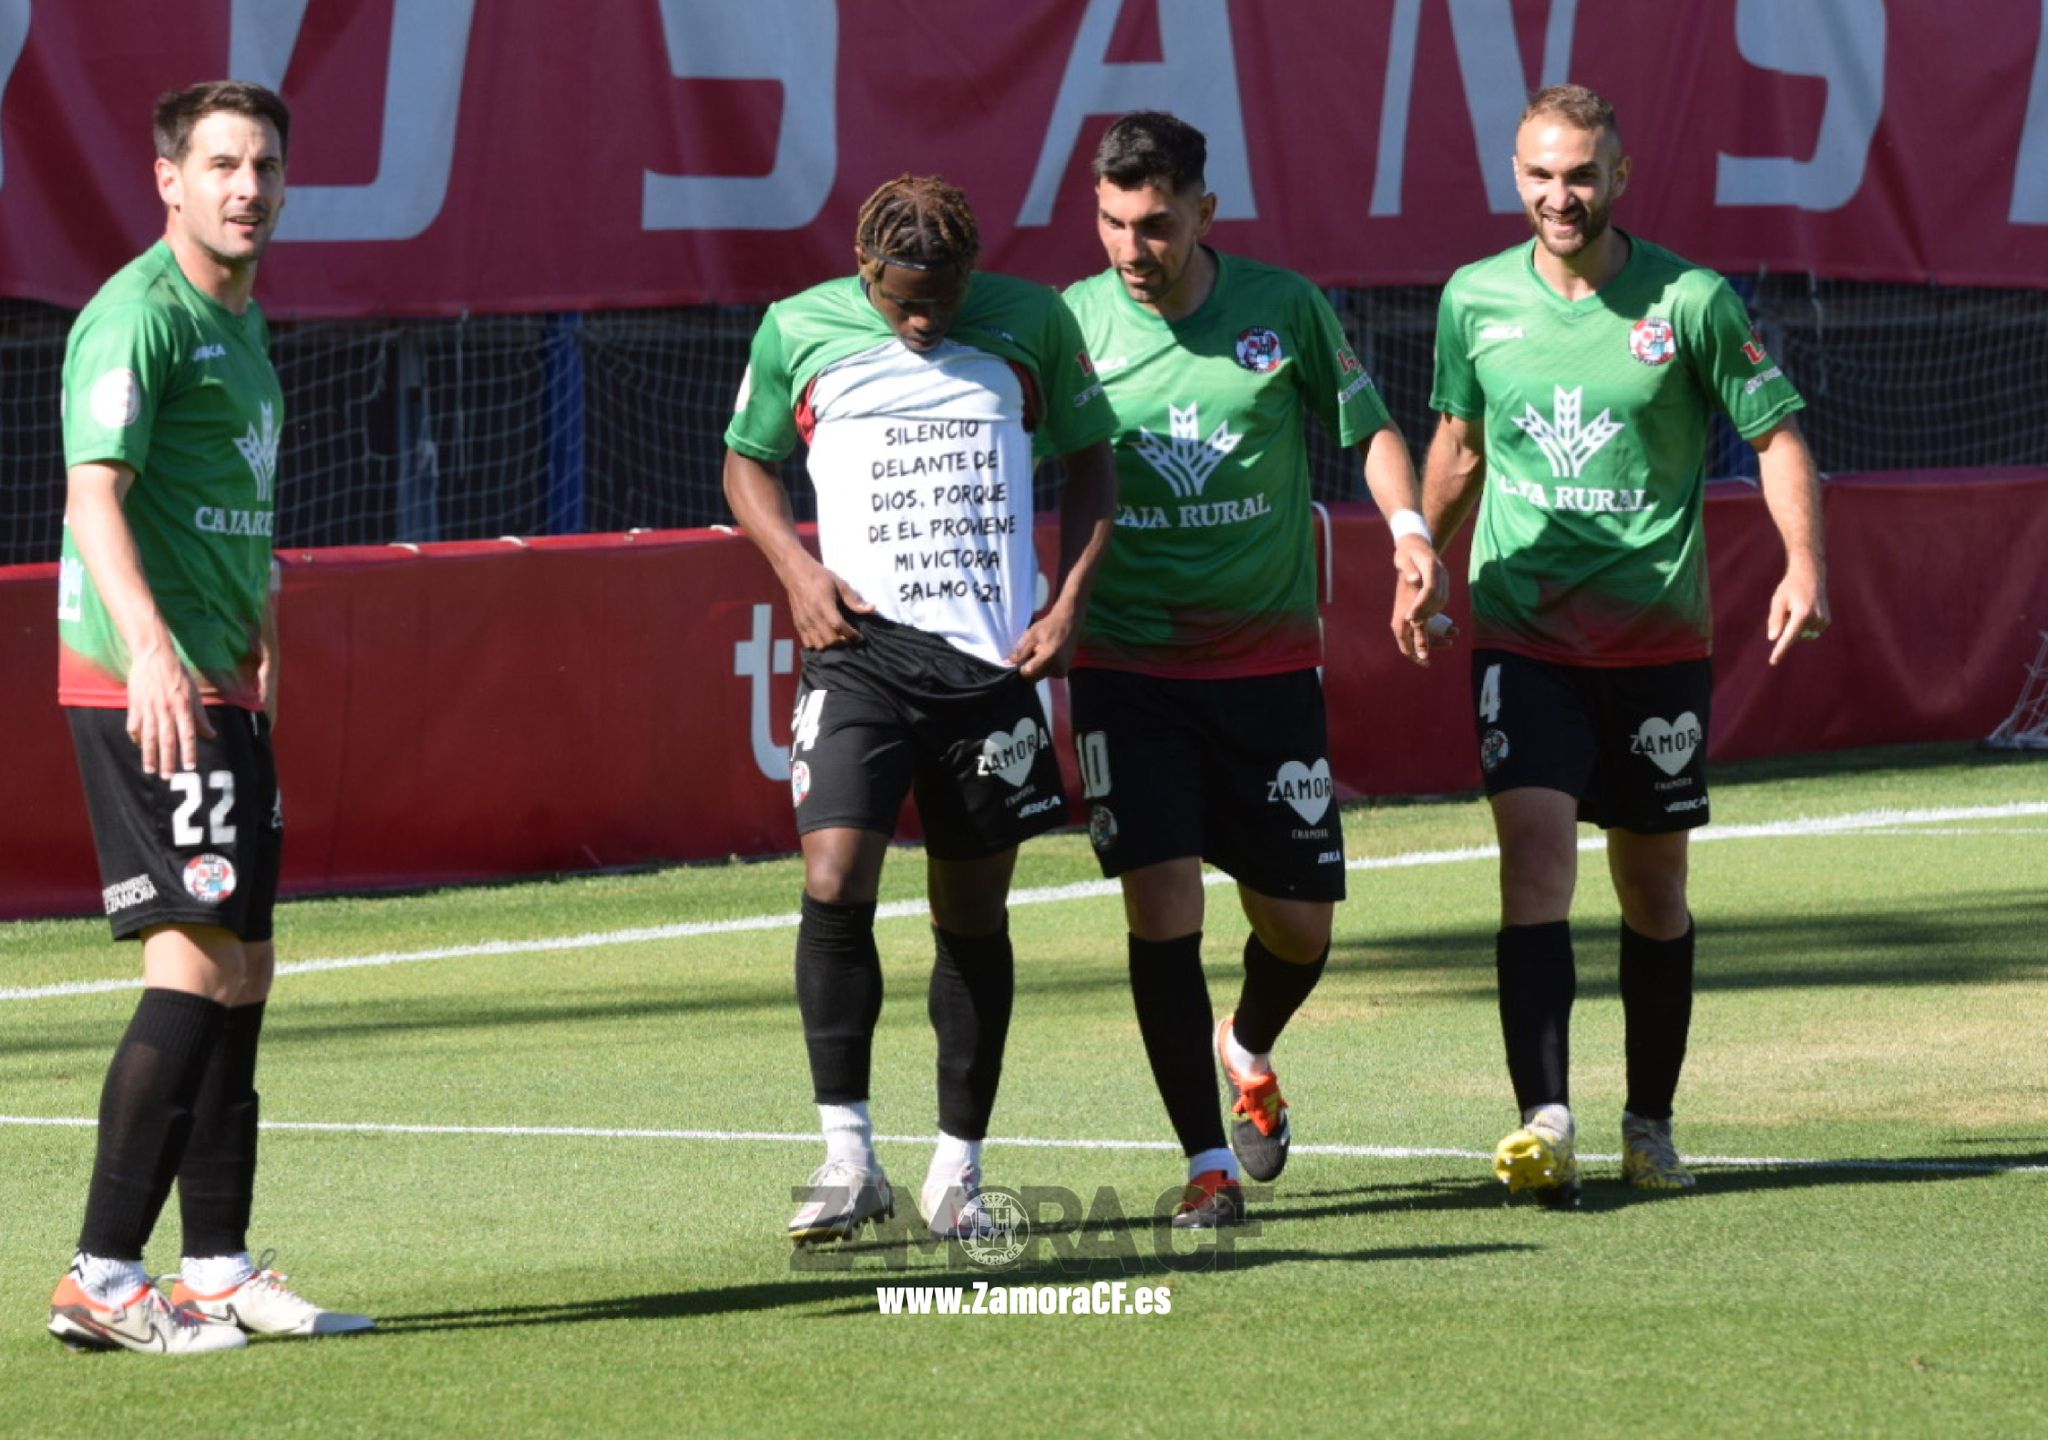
{"x":1652,"y":340}
{"x":209,"y":878}
{"x":1493,"y":748}
{"x":1101,"y":827}
{"x":799,"y":782}
{"x":1258,"y":350}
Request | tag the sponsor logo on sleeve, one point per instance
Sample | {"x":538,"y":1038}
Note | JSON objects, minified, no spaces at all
{"x":1753,"y":347}
{"x":116,"y":399}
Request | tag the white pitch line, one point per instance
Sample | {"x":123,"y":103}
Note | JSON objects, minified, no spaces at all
{"x":781,"y":1137}
{"x":1865,"y":820}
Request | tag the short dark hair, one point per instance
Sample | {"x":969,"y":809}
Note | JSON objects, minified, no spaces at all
{"x":1151,"y":147}
{"x":180,"y":110}
{"x":1575,"y":105}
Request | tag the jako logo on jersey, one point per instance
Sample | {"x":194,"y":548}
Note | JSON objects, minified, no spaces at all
{"x":1187,"y":460}
{"x":260,"y":450}
{"x":209,"y":352}
{"x":1306,"y":787}
{"x":1566,"y":442}
{"x":1498,"y":331}
{"x":1258,"y":350}
{"x":1009,"y":753}
{"x":210,"y":878}
{"x":1652,"y":341}
{"x":1668,"y":746}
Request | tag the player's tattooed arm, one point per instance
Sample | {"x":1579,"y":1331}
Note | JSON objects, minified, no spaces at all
{"x":818,"y":599}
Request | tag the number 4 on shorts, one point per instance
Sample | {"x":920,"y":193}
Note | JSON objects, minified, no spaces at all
{"x":1489,"y":694}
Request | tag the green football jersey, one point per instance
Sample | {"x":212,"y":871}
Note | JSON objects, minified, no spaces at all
{"x":164,"y":379}
{"x":922,"y":460}
{"x":1589,"y":547}
{"x":1211,"y":568}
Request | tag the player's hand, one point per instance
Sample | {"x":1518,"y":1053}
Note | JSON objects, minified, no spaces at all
{"x":1046,"y":649}
{"x":1422,"y":587}
{"x":166,"y":717}
{"x":818,"y":604}
{"x":1799,"y":611}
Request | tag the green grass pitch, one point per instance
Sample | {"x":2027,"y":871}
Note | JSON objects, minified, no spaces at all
{"x":1872,"y":998}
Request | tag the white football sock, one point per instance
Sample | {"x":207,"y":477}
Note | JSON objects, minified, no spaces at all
{"x":1243,"y":1061}
{"x":849,"y":1134}
{"x":110,"y":1280}
{"x":1557,"y":1119}
{"x":213,"y":1274}
{"x":955,"y":1155}
{"x":1203,"y":1161}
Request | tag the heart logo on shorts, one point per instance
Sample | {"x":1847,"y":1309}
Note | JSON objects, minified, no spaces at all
{"x":1306,"y":787}
{"x":1009,"y":753}
{"x":1668,"y":746}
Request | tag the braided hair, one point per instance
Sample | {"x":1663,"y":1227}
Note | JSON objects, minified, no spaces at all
{"x":918,"y":222}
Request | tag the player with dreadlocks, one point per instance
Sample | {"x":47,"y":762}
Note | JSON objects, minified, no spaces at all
{"x":918,"y":384}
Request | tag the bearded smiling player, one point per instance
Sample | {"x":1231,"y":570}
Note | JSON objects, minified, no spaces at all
{"x":1576,"y":376}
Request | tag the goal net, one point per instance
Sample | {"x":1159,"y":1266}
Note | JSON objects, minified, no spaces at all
{"x":2027,"y":727}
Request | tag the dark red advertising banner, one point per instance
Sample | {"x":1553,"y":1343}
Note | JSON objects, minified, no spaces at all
{"x":452,"y":156}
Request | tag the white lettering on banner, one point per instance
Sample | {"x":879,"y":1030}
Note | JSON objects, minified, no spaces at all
{"x":14,"y":16}
{"x":1490,"y":64}
{"x":2030,"y":170}
{"x":1195,"y":77}
{"x":795,"y":42}
{"x":422,"y":97}
{"x":1841,"y":42}
{"x":755,"y":660}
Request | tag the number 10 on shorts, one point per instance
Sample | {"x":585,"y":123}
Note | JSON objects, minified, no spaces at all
{"x":1092,"y":750}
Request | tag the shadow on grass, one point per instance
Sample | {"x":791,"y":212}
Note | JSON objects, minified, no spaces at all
{"x":1974,"y":938}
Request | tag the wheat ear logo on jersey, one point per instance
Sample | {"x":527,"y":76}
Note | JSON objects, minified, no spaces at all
{"x":260,"y":450}
{"x":1186,"y":461}
{"x":1567,"y":440}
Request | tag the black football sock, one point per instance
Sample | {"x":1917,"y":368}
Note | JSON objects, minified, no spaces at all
{"x":974,"y":982}
{"x":1538,"y":983}
{"x":1656,"y":1008}
{"x":146,"y":1118}
{"x":839,"y":995}
{"x":217,"y":1181}
{"x":1273,"y":990}
{"x":1172,"y":999}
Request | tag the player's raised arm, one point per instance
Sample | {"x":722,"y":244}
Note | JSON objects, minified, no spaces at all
{"x":1791,"y":484}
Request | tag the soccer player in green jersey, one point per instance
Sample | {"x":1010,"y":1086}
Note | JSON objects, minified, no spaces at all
{"x":917,"y":384}
{"x":1576,"y":375}
{"x":167,"y":667}
{"x":1197,"y":705}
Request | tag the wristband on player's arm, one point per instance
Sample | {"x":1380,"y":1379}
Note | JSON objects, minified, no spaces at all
{"x":1410,"y":522}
